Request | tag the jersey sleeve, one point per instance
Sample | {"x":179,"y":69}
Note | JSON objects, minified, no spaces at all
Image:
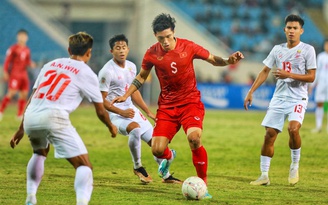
{"x":90,"y":87}
{"x":311,"y":59}
{"x":8,"y":59}
{"x":317,"y":73}
{"x":200,"y":52}
{"x":270,"y":59}
{"x":146,"y":63}
{"x":104,"y":79}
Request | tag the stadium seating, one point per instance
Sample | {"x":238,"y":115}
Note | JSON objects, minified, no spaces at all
{"x":253,"y":26}
{"x":41,"y":45}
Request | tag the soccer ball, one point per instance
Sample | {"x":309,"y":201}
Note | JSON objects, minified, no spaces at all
{"x":194,"y":188}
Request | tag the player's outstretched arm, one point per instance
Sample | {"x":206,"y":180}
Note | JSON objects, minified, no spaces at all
{"x":136,"y":84}
{"x":5,"y":76}
{"x":103,"y":116}
{"x":261,"y":77}
{"x":219,"y":61}
{"x":32,"y":64}
{"x":16,"y":138}
{"x":128,"y":113}
{"x":138,"y":100}
{"x":307,"y":77}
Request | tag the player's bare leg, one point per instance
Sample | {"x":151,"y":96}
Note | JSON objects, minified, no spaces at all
{"x":295,"y":148}
{"x":34,"y":173}
{"x":158,"y":145}
{"x":22,"y":99}
{"x":83,"y":182}
{"x":134,"y":134}
{"x":269,"y":139}
{"x":5,"y":101}
{"x":168,"y":178}
{"x":267,"y":153}
{"x":319,"y":113}
{"x":161,"y":150}
{"x":199,"y":154}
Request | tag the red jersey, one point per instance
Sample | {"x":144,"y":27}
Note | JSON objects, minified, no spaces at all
{"x":18,"y":58}
{"x":175,"y":71}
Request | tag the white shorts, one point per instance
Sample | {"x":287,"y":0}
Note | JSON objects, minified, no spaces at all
{"x":321,"y":93}
{"x":279,"y":110}
{"x":66,"y":141}
{"x":122,"y":123}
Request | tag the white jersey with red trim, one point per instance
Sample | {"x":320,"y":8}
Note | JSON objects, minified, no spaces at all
{"x":298,"y":60}
{"x":60,"y":88}
{"x":116,"y":80}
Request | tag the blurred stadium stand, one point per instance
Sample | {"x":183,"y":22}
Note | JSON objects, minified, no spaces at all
{"x":13,"y":19}
{"x":252,"y":26}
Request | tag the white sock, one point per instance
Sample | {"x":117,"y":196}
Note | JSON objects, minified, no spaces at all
{"x":83,"y":184}
{"x":296,"y":156}
{"x":146,"y":137}
{"x":34,"y":173}
{"x":319,"y":112}
{"x":135,"y":147}
{"x":265,"y":165}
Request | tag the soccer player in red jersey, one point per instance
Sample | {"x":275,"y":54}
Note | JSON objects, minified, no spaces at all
{"x":18,"y":59}
{"x":179,"y":101}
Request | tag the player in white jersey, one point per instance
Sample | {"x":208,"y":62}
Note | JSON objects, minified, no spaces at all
{"x":295,"y":64}
{"x":321,"y":85}
{"x":115,"y":78}
{"x":58,"y":91}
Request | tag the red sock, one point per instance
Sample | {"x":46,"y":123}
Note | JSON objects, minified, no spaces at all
{"x":4,"y":103}
{"x":199,"y":158}
{"x":21,"y":107}
{"x":167,"y":154}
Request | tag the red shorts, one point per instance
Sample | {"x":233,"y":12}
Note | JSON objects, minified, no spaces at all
{"x":19,"y":83}
{"x":169,"y":120}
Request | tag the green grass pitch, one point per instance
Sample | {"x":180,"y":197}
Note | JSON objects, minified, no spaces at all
{"x":233,"y":141}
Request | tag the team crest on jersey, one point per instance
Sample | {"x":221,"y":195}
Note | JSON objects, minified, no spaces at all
{"x":197,"y":118}
{"x":183,"y":54}
{"x":131,"y":72}
{"x":159,"y":58}
{"x":298,"y":54}
{"x":103,"y":80}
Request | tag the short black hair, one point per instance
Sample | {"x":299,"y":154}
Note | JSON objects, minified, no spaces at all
{"x":22,"y":31}
{"x":294,"y":17}
{"x":163,"y":21}
{"x":79,"y":43}
{"x":116,"y":38}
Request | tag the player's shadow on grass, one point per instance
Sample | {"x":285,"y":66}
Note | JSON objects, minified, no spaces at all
{"x":133,"y":185}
